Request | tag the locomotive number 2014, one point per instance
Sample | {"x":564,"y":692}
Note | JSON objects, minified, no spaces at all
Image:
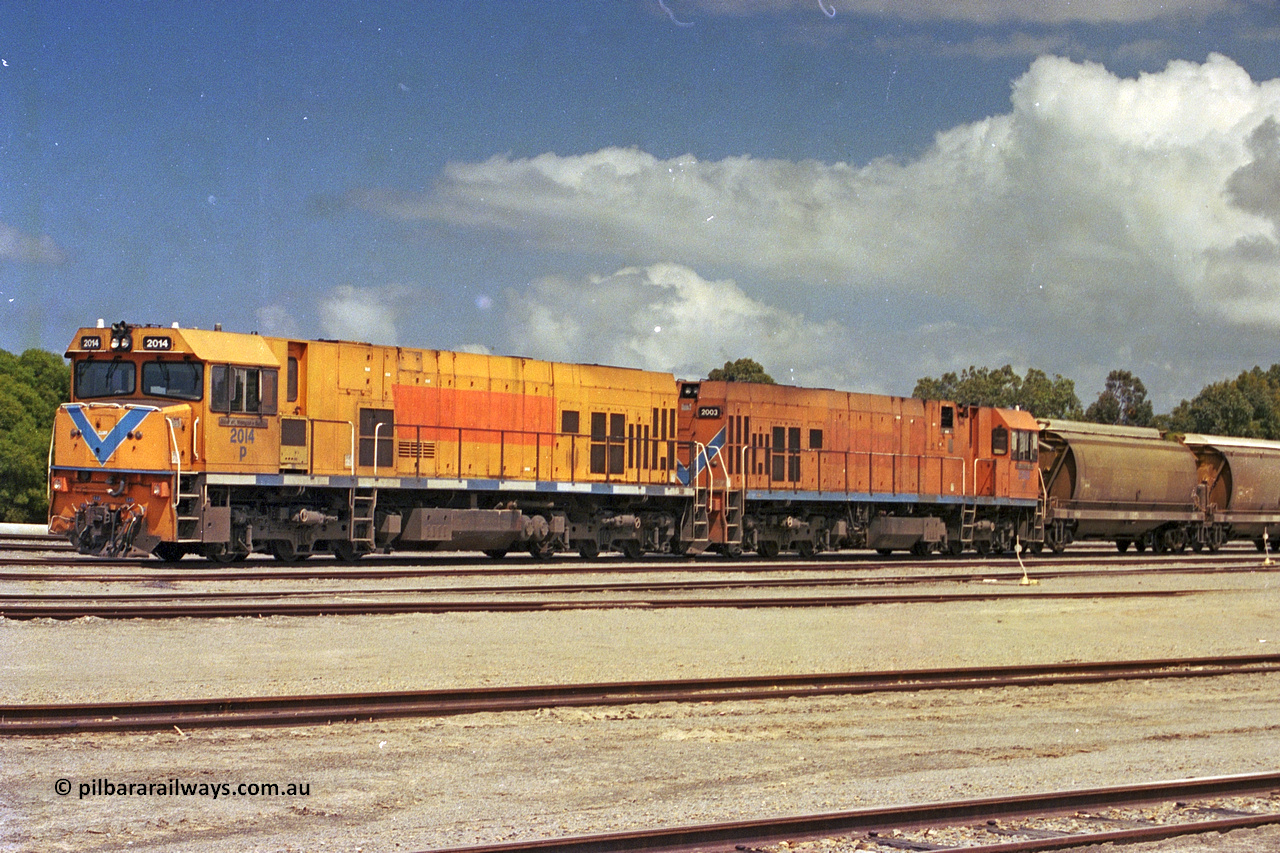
{"x":242,"y":436}
{"x":157,"y":343}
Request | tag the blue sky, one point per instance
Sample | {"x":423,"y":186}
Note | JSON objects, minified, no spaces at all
{"x":855,"y":193}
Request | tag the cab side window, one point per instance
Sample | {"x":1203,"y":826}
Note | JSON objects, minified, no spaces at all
{"x":243,"y":390}
{"x":999,"y":441}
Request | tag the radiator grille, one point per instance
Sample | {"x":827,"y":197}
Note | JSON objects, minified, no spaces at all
{"x":417,"y":450}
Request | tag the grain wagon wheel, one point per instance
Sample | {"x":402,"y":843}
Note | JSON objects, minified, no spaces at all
{"x":768,"y":548}
{"x":495,"y":553}
{"x":632,"y":549}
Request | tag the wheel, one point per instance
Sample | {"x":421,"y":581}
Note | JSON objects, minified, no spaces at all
{"x":955,"y":547}
{"x":283,"y":550}
{"x":806,"y":549}
{"x":1122,"y":545}
{"x":884,"y":552}
{"x":218,"y":552}
{"x":733,"y":551}
{"x":921,"y":549}
{"x":542,"y":550}
{"x":768,"y":548}
{"x":632,"y":549}
{"x":170,"y":552}
{"x":495,"y":553}
{"x":345,"y":550}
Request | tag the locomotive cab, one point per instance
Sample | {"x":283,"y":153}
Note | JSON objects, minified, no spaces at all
{"x":152,"y":409}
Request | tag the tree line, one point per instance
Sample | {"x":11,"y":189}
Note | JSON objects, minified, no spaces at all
{"x":32,"y":386}
{"x":1247,"y":406}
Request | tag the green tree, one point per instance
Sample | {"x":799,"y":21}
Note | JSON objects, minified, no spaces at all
{"x":1003,"y":387}
{"x":742,"y":370}
{"x":1123,"y":402}
{"x":1247,"y":406}
{"x":32,"y":386}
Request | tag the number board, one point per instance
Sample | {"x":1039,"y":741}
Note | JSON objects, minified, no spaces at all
{"x":157,"y":343}
{"x":708,"y":411}
{"x":90,"y":342}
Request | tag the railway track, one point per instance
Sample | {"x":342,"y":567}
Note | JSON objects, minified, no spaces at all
{"x":45,"y":719}
{"x":61,"y":554}
{"x":384,"y":567}
{"x":1047,"y":821}
{"x":93,"y":606}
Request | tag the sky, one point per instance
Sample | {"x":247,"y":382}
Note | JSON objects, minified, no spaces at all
{"x":855,"y":193}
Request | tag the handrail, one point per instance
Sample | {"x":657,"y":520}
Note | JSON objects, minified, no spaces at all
{"x":177,"y":462}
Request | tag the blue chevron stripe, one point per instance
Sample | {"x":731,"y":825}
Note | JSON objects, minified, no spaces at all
{"x":699,"y":463}
{"x":104,"y":447}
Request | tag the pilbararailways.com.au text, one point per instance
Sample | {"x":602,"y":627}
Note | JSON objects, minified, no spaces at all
{"x":179,"y":788}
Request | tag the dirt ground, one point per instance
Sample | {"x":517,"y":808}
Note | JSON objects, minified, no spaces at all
{"x":484,"y":778}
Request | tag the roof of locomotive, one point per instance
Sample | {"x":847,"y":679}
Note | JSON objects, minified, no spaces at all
{"x":206,"y":345}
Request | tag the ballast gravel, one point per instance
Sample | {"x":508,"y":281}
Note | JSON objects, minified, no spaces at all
{"x":484,"y":778}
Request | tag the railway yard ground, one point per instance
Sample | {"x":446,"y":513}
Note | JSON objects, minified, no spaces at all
{"x":483,"y":778}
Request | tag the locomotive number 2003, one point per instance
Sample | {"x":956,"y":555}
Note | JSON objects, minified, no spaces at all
{"x":708,"y":411}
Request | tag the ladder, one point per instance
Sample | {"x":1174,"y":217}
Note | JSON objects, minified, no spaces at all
{"x":968,"y":521}
{"x":362,"y":502}
{"x":695,"y":533}
{"x":734,"y":501}
{"x":1042,"y":504}
{"x":189,"y":509}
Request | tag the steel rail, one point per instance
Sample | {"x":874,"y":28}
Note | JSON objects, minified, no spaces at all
{"x":371,"y":608}
{"x":702,"y":571}
{"x":43,"y":719}
{"x":830,"y":560}
{"x":862,"y":823}
{"x":529,"y":589}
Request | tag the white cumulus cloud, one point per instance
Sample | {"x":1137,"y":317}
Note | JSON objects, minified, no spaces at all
{"x":1099,"y":219}
{"x":667,"y":317}
{"x":365,"y":314}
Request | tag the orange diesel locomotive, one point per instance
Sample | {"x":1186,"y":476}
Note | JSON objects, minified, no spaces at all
{"x":785,"y":468}
{"x":184,"y":441}
{"x":181,"y":441}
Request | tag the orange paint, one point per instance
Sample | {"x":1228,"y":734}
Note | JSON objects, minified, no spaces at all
{"x":426,"y":413}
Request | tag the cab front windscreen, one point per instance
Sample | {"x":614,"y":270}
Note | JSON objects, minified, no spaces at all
{"x":181,"y":379}
{"x":105,"y":379}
